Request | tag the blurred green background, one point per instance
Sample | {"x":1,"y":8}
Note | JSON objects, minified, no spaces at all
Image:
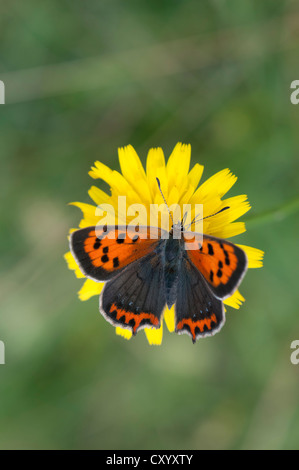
{"x":83,"y":78}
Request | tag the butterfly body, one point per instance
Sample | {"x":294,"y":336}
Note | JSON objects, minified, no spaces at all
{"x":173,"y":253}
{"x":143,"y":275}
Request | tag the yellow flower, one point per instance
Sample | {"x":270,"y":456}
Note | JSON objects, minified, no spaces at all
{"x":179,"y":186}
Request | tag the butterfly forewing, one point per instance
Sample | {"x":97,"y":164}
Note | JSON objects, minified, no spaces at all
{"x":102,"y":254}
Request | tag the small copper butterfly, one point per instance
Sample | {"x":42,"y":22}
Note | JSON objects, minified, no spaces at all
{"x":143,"y":275}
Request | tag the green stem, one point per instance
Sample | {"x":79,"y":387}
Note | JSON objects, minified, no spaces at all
{"x":276,"y":214}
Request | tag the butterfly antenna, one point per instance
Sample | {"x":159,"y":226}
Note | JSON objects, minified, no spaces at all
{"x":184,"y":219}
{"x":159,"y":186}
{"x":212,"y":215}
{"x":221,"y":210}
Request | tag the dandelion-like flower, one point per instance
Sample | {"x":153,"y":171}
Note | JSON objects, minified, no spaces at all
{"x":179,"y":186}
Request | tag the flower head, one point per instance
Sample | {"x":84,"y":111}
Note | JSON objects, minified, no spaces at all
{"x":179,"y":185}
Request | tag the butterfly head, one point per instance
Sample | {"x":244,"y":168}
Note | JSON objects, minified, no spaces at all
{"x":177,"y":229}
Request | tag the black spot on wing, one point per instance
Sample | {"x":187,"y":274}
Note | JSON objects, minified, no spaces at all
{"x":97,"y":244}
{"x":211,"y":251}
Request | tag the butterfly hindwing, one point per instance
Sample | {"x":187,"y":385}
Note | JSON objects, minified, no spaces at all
{"x":102,"y":254}
{"x":221,"y":263}
{"x":197,"y":311}
{"x":135,"y":297}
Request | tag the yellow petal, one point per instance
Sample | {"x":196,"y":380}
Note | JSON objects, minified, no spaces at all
{"x":73,"y":265}
{"x":89,"y":213}
{"x":134,"y":173}
{"x":92,"y":215}
{"x":101,"y":171}
{"x":169,"y":318}
{"x":178,"y":164}
{"x":185,"y":195}
{"x":217,"y":185}
{"x":127,"y":334}
{"x":193,"y":180}
{"x":116,"y":181}
{"x":177,"y":172}
{"x":254,"y":256}
{"x":195,"y":175}
{"x":231,"y":230}
{"x":154,"y":335}
{"x":155,"y":168}
{"x":89,"y":289}
{"x":235,"y":300}
{"x":98,"y":196}
{"x":174,"y":196}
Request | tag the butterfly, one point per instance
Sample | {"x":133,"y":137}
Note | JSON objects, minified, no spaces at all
{"x":142,"y":276}
{"x":149,"y":269}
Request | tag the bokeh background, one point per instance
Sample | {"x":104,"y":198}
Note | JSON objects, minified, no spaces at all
{"x":82,"y":79}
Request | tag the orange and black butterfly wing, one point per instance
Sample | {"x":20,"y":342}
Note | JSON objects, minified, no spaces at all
{"x":102,"y":254}
{"x":197,"y":311}
{"x":135,"y":297}
{"x":131,"y":265}
{"x":221,"y":263}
